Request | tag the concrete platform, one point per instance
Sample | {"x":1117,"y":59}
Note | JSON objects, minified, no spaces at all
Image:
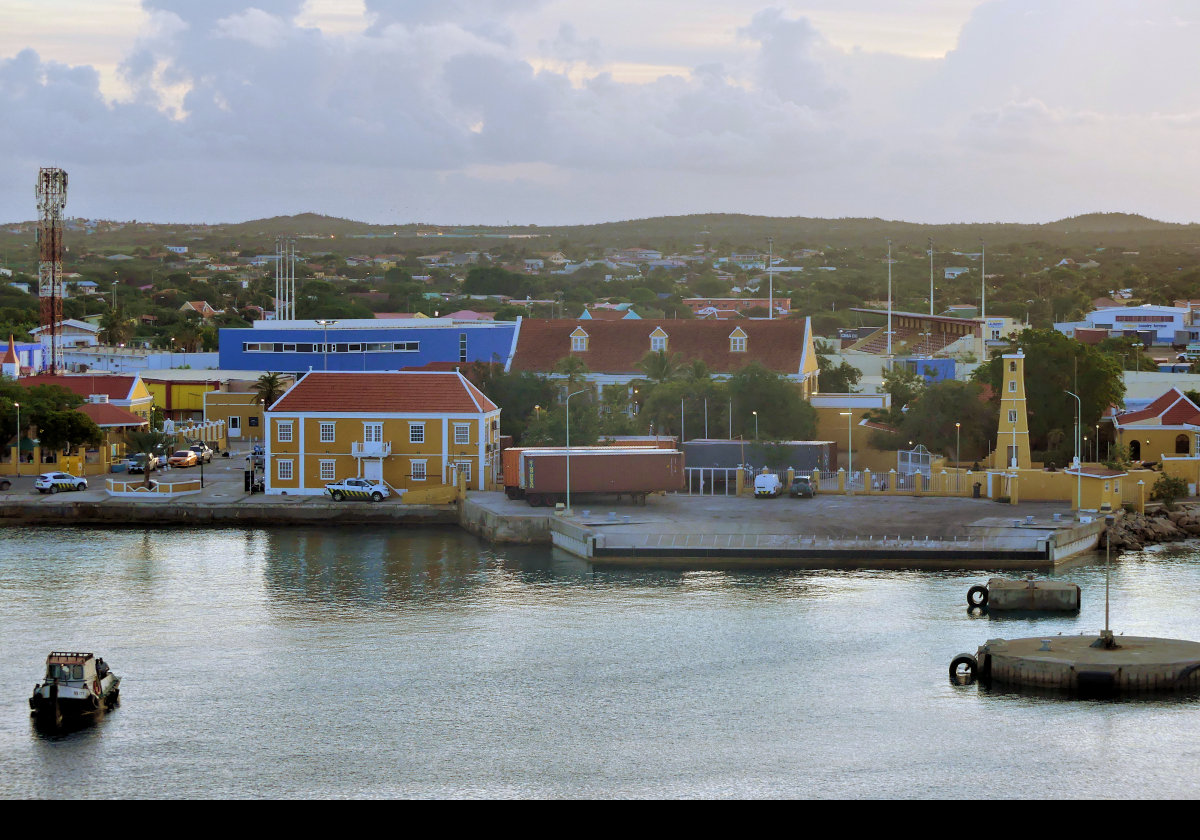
{"x":1071,"y":663}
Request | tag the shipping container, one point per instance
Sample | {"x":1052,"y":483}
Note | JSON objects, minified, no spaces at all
{"x":511,"y":467}
{"x":612,"y":471}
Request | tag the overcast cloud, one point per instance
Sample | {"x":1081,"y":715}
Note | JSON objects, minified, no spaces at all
{"x":552,"y":111}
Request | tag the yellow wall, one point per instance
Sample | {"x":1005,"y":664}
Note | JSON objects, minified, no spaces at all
{"x":397,"y":465}
{"x":1155,"y":443}
{"x":223,"y":405}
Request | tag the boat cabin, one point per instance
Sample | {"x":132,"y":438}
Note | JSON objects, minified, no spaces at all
{"x":74,"y":668}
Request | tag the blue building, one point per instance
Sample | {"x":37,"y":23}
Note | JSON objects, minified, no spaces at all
{"x":357,"y":345}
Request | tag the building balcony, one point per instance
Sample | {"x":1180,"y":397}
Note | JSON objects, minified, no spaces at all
{"x":371,"y":450}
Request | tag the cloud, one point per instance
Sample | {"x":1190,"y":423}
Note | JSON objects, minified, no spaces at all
{"x":454,"y":107}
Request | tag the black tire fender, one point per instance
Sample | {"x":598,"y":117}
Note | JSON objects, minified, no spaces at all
{"x":971,"y":664}
{"x":977,"y":596}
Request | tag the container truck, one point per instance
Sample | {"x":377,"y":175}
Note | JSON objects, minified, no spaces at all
{"x":542,"y":473}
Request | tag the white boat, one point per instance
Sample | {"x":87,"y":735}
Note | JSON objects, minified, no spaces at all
{"x":76,"y":684}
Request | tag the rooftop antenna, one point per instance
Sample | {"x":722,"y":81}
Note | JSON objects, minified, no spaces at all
{"x":931,"y":277}
{"x":51,"y":194}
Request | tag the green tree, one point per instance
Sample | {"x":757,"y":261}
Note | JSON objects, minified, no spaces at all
{"x":115,"y":328}
{"x":659,"y":367}
{"x":930,"y":420}
{"x":269,"y":387}
{"x":64,"y":430}
{"x":147,"y":442}
{"x":782,"y":413}
{"x":1054,"y":365}
{"x":1168,"y":488}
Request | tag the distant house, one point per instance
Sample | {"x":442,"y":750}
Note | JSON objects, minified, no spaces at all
{"x":955,"y":271}
{"x":177,"y":249}
{"x":72,"y":333}
{"x":200,"y":307}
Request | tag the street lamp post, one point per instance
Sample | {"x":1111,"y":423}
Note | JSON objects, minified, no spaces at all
{"x":849,"y":415}
{"x":172,"y":352}
{"x":755,"y":413}
{"x":325,"y":325}
{"x":18,"y":406}
{"x":1078,"y":462}
{"x":577,"y":393}
{"x":957,"y":441}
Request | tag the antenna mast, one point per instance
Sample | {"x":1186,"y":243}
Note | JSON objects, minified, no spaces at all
{"x":51,"y":194}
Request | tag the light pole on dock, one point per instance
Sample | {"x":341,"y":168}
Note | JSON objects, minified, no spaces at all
{"x":577,"y":393}
{"x":849,"y":415}
{"x":755,"y":413}
{"x":18,"y":407}
{"x":1078,"y":461}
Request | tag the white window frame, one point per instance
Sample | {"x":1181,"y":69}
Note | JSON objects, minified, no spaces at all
{"x":1012,"y":386}
{"x":235,"y":423}
{"x":462,"y":434}
{"x":328,"y":432}
{"x":417,"y":471}
{"x":462,"y":467}
{"x":416,"y":433}
{"x":283,"y":431}
{"x":372,"y":433}
{"x":283,"y":469}
{"x":579,"y":343}
{"x":737,"y":344}
{"x":658,"y":344}
{"x":328,"y":470}
{"x":1012,"y":415}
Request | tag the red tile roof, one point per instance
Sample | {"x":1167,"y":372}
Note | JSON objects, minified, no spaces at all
{"x":10,"y":355}
{"x":116,"y":387}
{"x":1170,"y":409}
{"x":107,"y":414}
{"x":618,"y":346}
{"x":370,"y":393}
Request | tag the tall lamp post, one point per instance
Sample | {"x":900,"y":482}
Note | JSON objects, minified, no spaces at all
{"x":1078,"y":462}
{"x":18,"y":406}
{"x":755,"y":413}
{"x":957,"y":441}
{"x":576,"y":394}
{"x":849,"y":415}
{"x":325,"y":324}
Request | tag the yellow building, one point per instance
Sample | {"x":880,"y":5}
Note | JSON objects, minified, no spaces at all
{"x":1168,"y":427}
{"x":413,"y":430}
{"x":241,"y":412}
{"x":1012,"y":438}
{"x":1096,"y":488}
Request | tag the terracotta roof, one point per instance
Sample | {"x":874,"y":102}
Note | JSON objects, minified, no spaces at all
{"x":116,"y":387}
{"x":1170,"y":409}
{"x":10,"y":355}
{"x":618,"y":346}
{"x":365,"y":393}
{"x":107,"y":414}
{"x":605,"y":314}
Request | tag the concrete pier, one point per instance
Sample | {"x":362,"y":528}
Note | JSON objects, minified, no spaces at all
{"x":1032,"y":594}
{"x":1077,"y":664}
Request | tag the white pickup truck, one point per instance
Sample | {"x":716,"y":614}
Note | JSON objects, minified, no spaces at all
{"x":358,"y":488}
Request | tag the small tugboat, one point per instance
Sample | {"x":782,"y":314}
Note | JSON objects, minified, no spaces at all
{"x":76,"y":684}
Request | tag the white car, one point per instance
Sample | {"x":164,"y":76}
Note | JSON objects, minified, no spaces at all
{"x":358,"y":488}
{"x":55,"y":481}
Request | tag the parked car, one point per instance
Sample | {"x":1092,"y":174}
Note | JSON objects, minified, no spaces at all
{"x":203,"y":453}
{"x":55,"y":481}
{"x":183,"y":458}
{"x":801,"y":487}
{"x":141,"y":462}
{"x":358,"y":488}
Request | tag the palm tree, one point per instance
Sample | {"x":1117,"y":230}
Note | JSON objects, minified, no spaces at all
{"x":573,"y":367}
{"x":269,"y":387}
{"x":148,"y":442}
{"x":659,"y":367}
{"x":114,"y":328}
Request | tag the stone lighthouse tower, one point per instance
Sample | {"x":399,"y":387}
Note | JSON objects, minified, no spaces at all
{"x":1012,"y":437}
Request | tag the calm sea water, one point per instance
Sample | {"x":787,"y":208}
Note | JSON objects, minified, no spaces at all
{"x":369,"y":663}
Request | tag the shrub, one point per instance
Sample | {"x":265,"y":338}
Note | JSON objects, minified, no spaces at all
{"x":1169,"y":488}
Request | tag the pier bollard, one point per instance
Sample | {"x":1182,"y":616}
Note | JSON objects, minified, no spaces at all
{"x":1013,"y":495}
{"x":868,"y":482}
{"x":816,"y":481}
{"x":842,"y":480}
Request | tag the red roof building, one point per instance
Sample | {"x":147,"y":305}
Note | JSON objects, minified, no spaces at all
{"x":613,"y":349}
{"x":1167,"y":427}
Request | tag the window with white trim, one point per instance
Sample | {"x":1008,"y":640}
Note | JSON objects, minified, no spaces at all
{"x":283,"y":469}
{"x":326,"y":433}
{"x":328,"y":470}
{"x":284,"y":432}
{"x":1012,"y":416}
{"x":579,"y":343}
{"x":462,"y":433}
{"x":1012,"y":386}
{"x":737,"y":344}
{"x":416,"y":433}
{"x":417,"y":470}
{"x":658,"y":343}
{"x":372,"y":433}
{"x":464,"y":469}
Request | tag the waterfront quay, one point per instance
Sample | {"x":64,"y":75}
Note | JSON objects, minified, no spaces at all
{"x":673,"y":530}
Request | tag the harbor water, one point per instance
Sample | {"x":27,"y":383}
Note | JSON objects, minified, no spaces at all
{"x":355,"y":662}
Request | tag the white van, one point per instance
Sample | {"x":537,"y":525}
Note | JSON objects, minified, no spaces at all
{"x":767,"y":486}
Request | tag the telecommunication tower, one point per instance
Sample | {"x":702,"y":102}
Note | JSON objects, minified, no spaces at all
{"x":51,"y":199}
{"x":285,"y":279}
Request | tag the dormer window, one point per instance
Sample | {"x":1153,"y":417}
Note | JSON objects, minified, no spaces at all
{"x":579,"y":340}
{"x":737,"y":341}
{"x":658,"y":340}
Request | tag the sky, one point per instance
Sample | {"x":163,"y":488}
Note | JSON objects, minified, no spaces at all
{"x":579,"y":111}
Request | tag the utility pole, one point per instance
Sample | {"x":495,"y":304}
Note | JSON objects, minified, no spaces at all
{"x":770,"y":278}
{"x":889,"y":320}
